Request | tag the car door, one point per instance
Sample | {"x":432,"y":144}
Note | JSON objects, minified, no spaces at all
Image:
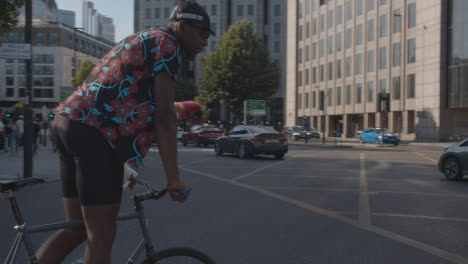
{"x":464,"y":155}
{"x":237,"y":138}
{"x":365,"y":135}
{"x":227,"y":143}
{"x":373,"y":135}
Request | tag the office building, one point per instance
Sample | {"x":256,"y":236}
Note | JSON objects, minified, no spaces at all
{"x":66,"y":17}
{"x":97,"y":24}
{"x":395,"y":64}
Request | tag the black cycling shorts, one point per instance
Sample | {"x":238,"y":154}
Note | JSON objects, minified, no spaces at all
{"x":89,"y":168}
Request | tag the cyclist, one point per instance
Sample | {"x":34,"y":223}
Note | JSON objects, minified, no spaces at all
{"x":109,"y":120}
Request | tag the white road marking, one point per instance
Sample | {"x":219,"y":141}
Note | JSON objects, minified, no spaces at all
{"x":364,"y":208}
{"x":426,"y":157}
{"x":380,"y":231}
{"x":257,"y":170}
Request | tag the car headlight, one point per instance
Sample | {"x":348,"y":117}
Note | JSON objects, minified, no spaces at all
{"x":296,"y":134}
{"x":379,"y":136}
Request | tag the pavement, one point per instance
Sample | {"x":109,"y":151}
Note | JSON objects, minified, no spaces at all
{"x":333,"y":141}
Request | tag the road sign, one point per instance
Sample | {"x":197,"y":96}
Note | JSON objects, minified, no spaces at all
{"x":255,"y":107}
{"x":15,"y":51}
{"x":65,"y":92}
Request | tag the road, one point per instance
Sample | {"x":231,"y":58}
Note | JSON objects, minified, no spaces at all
{"x":320,"y":204}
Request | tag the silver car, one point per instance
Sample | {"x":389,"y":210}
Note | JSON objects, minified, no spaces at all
{"x":454,"y":161}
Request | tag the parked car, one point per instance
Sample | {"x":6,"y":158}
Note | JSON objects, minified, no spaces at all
{"x":378,"y":135}
{"x":454,"y":161}
{"x":246,"y":141}
{"x":201,"y":134}
{"x":180,"y":133}
{"x":297,"y":132}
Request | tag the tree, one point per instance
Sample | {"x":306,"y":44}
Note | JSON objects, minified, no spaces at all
{"x":240,"y":69}
{"x":85,"y":70}
{"x":9,"y":14}
{"x":185,"y":89}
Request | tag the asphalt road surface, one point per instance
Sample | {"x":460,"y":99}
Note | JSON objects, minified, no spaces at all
{"x":320,"y":204}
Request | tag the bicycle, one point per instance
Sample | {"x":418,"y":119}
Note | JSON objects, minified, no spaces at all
{"x":170,"y":255}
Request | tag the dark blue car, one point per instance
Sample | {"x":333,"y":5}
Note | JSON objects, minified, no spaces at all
{"x":378,"y":135}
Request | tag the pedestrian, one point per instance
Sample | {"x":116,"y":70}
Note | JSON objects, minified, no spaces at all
{"x":20,"y":123}
{"x":96,"y":135}
{"x":13,"y":137}
{"x":2,"y":135}
{"x":36,"y":131}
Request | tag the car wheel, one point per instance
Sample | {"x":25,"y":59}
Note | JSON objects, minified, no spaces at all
{"x":184,"y":142}
{"x":243,"y":151}
{"x":452,"y":169}
{"x":218,"y":149}
{"x":196,"y":141}
{"x":279,"y":155}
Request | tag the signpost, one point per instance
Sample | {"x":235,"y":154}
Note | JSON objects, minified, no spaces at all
{"x":254,"y":108}
{"x":15,"y":51}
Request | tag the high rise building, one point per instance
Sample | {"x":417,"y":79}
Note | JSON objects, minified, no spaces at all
{"x":268,"y":18}
{"x":395,"y":64}
{"x":97,"y":24}
{"x":66,"y":17}
{"x":45,"y":10}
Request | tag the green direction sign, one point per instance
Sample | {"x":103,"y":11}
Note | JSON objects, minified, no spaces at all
{"x":255,"y":107}
{"x":65,"y":92}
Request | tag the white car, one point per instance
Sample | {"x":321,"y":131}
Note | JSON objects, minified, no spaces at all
{"x":180,"y":132}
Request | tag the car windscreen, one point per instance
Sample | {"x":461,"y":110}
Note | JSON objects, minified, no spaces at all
{"x":297,"y":129}
{"x":259,"y":130}
{"x":210,"y":128}
{"x":382,"y":131}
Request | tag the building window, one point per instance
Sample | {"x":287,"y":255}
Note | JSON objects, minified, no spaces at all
{"x":358,"y":93}
{"x":299,"y":101}
{"x":322,"y":73}
{"x":299,"y":78}
{"x":13,"y":36}
{"x":299,"y":56}
{"x":40,"y":36}
{"x":371,"y":30}
{"x":240,"y":10}
{"x":338,"y":95}
{"x":383,"y":58}
{"x":348,"y":66}
{"x":316,"y":4}
{"x":359,"y":65}
{"x":314,"y":50}
{"x":396,"y":54}
{"x":308,"y":30}
{"x":314,"y":74}
{"x":313,"y":100}
{"x":53,"y":36}
{"x":277,"y":10}
{"x":322,"y":48}
{"x":348,"y":94}
{"x":147,"y":13}
{"x":301,"y":10}
{"x":322,"y":23}
{"x":411,"y":50}
{"x":411,"y":86}
{"x":349,"y":10}
{"x":299,"y":33}
{"x":157,"y":12}
{"x":349,"y":38}
{"x":412,"y":15}
{"x":10,"y":80}
{"x":213,"y":27}
{"x":307,"y":6}
{"x":383,"y":26}
{"x":383,"y":2}
{"x":277,"y":29}
{"x":370,"y":5}
{"x":396,"y":21}
{"x":370,"y":61}
{"x":370,"y":91}
{"x":306,"y":100}
{"x":307,"y":53}
{"x":9,"y":69}
{"x":330,"y":44}
{"x":339,"y":41}
{"x":250,"y":10}
{"x":359,"y":7}
{"x":330,"y":71}
{"x":214,"y":10}
{"x":359,"y":33}
{"x":383,"y":86}
{"x":307,"y":77}
{"x":338,"y":69}
{"x":166,"y":12}
{"x":43,"y":93}
{"x":330,"y":96}
{"x":396,"y":88}
{"x":276,"y":46}
{"x":314,"y":32}
{"x":339,"y":15}
{"x":10,"y":92}
{"x":330,"y":18}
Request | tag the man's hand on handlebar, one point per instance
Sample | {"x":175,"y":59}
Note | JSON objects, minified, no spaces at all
{"x":178,"y":191}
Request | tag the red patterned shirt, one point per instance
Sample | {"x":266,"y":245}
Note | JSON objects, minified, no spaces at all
{"x":117,"y":97}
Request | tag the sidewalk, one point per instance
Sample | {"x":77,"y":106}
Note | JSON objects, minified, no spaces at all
{"x":45,"y":165}
{"x":355,"y":141}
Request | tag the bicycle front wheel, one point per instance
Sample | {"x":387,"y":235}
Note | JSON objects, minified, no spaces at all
{"x":180,"y":256}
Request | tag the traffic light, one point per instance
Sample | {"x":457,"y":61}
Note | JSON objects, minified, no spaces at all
{"x":8,"y":115}
{"x":384,"y":102}
{"x":51,"y":115}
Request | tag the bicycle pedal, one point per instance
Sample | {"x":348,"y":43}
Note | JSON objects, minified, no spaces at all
{"x":78,"y":261}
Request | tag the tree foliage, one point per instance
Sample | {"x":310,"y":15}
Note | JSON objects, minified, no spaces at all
{"x":240,"y":69}
{"x":185,"y":89}
{"x":85,"y":70}
{"x":9,"y":14}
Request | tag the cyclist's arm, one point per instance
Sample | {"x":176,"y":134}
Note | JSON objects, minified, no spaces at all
{"x":165,"y":127}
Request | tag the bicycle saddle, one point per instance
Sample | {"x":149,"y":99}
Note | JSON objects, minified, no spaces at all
{"x":11,"y":185}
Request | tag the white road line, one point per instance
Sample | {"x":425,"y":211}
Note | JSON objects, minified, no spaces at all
{"x":198,"y":161}
{"x":364,"y":208}
{"x":380,"y":231}
{"x":408,"y":216}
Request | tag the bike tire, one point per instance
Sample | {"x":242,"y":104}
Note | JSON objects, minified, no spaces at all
{"x":170,"y":255}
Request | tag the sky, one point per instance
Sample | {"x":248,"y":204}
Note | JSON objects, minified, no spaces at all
{"x":121,"y":11}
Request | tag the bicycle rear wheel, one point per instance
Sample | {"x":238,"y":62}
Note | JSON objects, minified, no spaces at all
{"x":180,"y":256}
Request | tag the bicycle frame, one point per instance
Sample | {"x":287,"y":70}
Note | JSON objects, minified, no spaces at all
{"x":24,"y":231}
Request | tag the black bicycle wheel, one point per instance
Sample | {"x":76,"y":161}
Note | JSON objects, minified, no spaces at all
{"x":180,"y":256}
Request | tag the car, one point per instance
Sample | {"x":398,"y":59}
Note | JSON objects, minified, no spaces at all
{"x":453,"y":162}
{"x":201,"y":134}
{"x":180,"y":133}
{"x":297,"y":132}
{"x":249,"y":140}
{"x":378,"y":135}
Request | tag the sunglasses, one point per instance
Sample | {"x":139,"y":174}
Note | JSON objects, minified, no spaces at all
{"x":204,"y":32}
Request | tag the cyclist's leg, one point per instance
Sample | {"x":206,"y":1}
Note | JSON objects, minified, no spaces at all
{"x":57,"y":247}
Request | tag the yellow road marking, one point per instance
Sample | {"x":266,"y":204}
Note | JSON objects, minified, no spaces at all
{"x":380,"y":231}
{"x":426,"y":157}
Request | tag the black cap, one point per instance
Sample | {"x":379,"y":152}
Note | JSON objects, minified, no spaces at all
{"x":193,"y":12}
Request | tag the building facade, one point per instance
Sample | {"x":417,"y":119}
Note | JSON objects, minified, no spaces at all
{"x":353,"y":64}
{"x":268,"y":19}
{"x":66,"y":17}
{"x":97,"y":24}
{"x":58,"y":52}
{"x":42,"y":9}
